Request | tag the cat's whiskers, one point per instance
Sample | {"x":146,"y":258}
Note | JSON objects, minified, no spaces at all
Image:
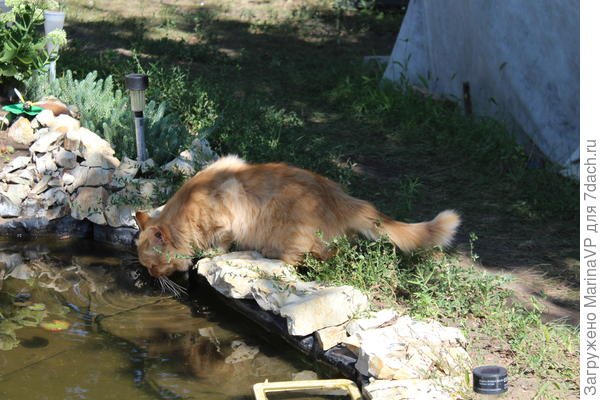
{"x":172,"y":287}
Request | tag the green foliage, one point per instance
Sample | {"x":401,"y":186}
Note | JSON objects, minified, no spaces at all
{"x":104,"y":109}
{"x":23,"y":50}
{"x":434,"y":285}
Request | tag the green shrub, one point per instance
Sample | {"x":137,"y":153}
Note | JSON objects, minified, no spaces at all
{"x":104,"y":109}
{"x":23,"y":50}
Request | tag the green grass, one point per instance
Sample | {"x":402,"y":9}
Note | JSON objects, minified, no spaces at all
{"x":281,"y":81}
{"x":435,"y":285}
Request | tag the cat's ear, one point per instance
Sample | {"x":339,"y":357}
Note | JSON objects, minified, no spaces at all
{"x":142,"y":219}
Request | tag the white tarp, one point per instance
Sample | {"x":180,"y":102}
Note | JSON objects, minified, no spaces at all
{"x":521,"y":59}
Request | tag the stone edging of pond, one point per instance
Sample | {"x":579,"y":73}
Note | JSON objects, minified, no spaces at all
{"x":389,"y":354}
{"x":71,"y":185}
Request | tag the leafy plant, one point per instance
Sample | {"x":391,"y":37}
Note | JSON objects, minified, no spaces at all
{"x":23,"y":49}
{"x":104,"y":109}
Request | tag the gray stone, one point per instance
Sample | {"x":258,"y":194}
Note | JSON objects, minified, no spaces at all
{"x":180,"y":166}
{"x":27,"y":174}
{"x":77,"y":175}
{"x":41,"y":185}
{"x":45,"y":164}
{"x":89,"y":203}
{"x":54,"y":196}
{"x":65,"y":158}
{"x":16,"y":192}
{"x":147,"y":165}
{"x":16,"y":163}
{"x":47,"y":142}
{"x":8,"y":208}
{"x":13,"y":178}
{"x":21,"y":131}
{"x":125,"y":173}
{"x":98,"y":176}
{"x":32,"y":208}
{"x":57,"y":212}
{"x":119,"y":215}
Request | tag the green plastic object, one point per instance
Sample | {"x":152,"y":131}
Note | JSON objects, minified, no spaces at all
{"x":18,"y":109}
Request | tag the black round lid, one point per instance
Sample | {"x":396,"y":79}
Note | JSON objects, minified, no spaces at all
{"x":136,"y":81}
{"x":490,"y":379}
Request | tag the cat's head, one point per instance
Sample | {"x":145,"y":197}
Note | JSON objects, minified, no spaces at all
{"x":155,"y":248}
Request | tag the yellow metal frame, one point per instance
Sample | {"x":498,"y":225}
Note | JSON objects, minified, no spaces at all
{"x":261,"y":389}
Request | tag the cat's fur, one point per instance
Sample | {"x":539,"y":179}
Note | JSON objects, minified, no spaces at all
{"x":282,"y":211}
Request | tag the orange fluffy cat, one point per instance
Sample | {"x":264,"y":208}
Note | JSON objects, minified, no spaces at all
{"x":273,"y":208}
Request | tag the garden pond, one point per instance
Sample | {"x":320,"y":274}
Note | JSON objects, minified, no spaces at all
{"x":81,"y":320}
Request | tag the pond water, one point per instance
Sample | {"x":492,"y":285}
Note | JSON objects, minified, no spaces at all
{"x":125,"y":338}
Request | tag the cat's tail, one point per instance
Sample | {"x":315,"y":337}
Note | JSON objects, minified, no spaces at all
{"x":437,"y":232}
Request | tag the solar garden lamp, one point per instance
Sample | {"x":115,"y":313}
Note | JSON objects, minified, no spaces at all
{"x":53,"y":20}
{"x":137,"y":85}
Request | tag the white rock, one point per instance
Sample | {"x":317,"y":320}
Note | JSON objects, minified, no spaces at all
{"x":125,"y":173}
{"x":45,"y":164}
{"x":89,"y":203}
{"x":375,"y":320}
{"x":305,"y":375}
{"x":90,"y":143}
{"x":64,"y":123}
{"x":409,"y":349}
{"x":101,"y":160}
{"x":234,"y":274}
{"x":331,"y":336}
{"x":415,"y":389}
{"x":16,"y":163}
{"x":47,"y":142}
{"x":241,"y":352}
{"x":307,"y":311}
{"x":45,"y":117}
{"x":307,"y":307}
{"x":65,"y":158}
{"x":21,"y":131}
{"x":180,"y":166}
